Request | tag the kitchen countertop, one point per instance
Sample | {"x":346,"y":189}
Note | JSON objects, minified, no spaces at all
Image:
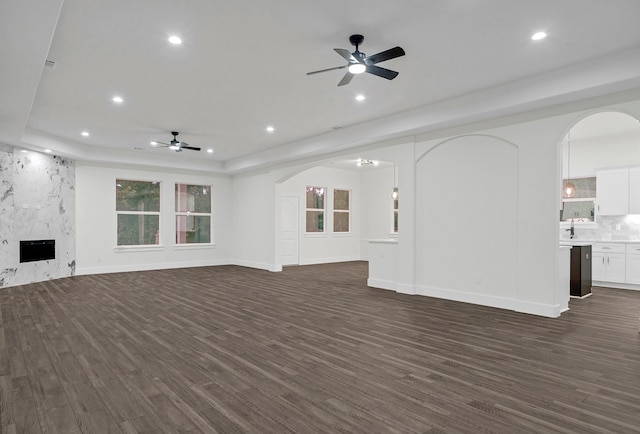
{"x":575,"y":243}
{"x":582,"y":242}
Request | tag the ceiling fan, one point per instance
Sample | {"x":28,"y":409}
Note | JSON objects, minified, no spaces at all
{"x":175,"y":144}
{"x":359,"y":62}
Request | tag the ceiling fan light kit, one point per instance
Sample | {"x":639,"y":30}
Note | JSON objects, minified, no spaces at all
{"x":175,"y":144}
{"x":359,"y":62}
{"x":357,"y":68}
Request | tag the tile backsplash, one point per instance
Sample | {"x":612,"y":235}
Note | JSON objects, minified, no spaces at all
{"x":608,"y":228}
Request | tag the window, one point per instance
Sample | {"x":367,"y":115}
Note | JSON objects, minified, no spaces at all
{"x":395,"y":216}
{"x":315,"y":209}
{"x":340,"y":210}
{"x":581,"y":207}
{"x":193,"y":214}
{"x":137,"y":212}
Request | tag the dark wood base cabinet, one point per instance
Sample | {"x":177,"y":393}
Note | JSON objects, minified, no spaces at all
{"x":580,"y":271}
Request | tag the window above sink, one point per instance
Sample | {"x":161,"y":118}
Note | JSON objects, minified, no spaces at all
{"x":581,"y":207}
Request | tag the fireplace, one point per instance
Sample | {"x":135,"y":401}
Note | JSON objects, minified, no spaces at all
{"x":37,"y":250}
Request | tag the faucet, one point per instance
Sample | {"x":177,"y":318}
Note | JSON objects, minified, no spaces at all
{"x":571,"y":230}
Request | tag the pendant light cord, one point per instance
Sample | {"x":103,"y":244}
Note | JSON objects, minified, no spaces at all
{"x":569,"y":157}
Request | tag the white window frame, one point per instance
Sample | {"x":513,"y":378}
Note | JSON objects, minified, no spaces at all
{"x":140,"y":247}
{"x":324,"y":210}
{"x":347,"y":211}
{"x":192,"y":214}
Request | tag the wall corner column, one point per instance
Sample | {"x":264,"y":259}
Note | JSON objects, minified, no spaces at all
{"x":406,"y":281}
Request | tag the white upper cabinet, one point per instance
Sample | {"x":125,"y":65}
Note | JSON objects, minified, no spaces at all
{"x":612,"y":191}
{"x":634,"y":190}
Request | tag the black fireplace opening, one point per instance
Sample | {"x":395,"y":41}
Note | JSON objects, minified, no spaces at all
{"x":37,"y":250}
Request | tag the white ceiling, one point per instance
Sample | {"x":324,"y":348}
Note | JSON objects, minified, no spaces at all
{"x":243,"y":66}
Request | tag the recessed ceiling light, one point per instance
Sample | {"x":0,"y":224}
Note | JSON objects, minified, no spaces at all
{"x":360,"y":98}
{"x":153,"y":143}
{"x":270,"y":129}
{"x":210,"y":151}
{"x":48,"y":151}
{"x":175,"y":40}
{"x":85,"y":133}
{"x":117,"y":99}
{"x":539,"y":35}
{"x":24,"y":151}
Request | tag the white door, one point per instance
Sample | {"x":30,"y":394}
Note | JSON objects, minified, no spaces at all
{"x":289,"y":220}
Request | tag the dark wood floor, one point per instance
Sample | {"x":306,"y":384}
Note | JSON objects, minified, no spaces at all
{"x":309,"y":350}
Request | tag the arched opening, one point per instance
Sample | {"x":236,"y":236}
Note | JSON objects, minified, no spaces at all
{"x":596,"y":149}
{"x":327,"y":211}
{"x":600,"y":216}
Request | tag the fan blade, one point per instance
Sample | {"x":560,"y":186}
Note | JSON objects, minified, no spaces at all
{"x":346,"y":54}
{"x":346,"y":79}
{"x":193,"y":148}
{"x":325,"y":70}
{"x":382,"y":72}
{"x":160,"y":144}
{"x":391,"y":53}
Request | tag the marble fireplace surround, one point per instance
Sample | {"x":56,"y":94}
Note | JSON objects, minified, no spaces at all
{"x":37,"y":202}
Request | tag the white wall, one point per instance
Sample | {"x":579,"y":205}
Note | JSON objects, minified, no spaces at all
{"x":377,"y":204}
{"x":328,"y":246}
{"x":467,"y":219}
{"x":589,"y":155}
{"x":96,"y":222}
{"x":509,"y":245}
{"x":536,"y":197}
{"x":253,"y":211}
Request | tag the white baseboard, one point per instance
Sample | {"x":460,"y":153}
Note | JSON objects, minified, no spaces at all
{"x":80,"y":271}
{"x":403,"y":288}
{"x":315,"y":261}
{"x":466,"y":297}
{"x":382,"y":284}
{"x":253,"y":264}
{"x":616,"y":285}
{"x":551,"y":311}
{"x":164,"y":266}
{"x":203,"y":263}
{"x":547,"y":310}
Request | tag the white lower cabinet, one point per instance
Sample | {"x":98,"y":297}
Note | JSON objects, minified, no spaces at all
{"x":609,"y":262}
{"x":633,"y":264}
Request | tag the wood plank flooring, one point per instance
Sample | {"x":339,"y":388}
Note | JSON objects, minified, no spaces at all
{"x":309,"y":350}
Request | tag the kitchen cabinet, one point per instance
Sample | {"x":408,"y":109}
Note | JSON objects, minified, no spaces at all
{"x":612,"y":192}
{"x":633,"y":264}
{"x":634,"y":190}
{"x":609,"y":262}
